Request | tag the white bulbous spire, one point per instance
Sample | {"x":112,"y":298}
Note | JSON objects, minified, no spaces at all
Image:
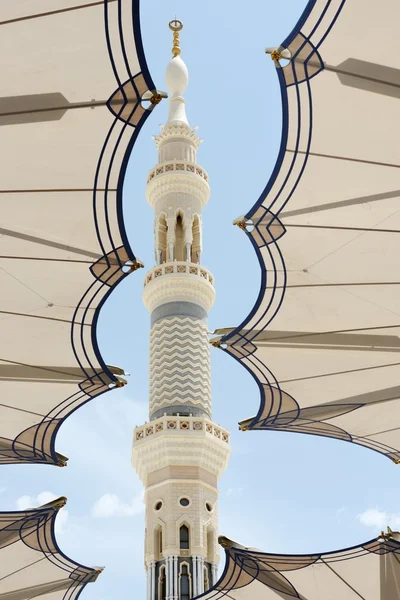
{"x":176,"y":76}
{"x":177,"y":79}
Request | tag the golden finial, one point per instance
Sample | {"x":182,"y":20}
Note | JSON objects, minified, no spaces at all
{"x":176,"y":26}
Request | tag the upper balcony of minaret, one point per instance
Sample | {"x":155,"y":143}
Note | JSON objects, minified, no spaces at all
{"x":177,"y":177}
{"x":177,"y":140}
{"x":178,"y":281}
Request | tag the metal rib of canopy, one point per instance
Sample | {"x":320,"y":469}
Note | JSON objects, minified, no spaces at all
{"x":75,"y":92}
{"x":31,"y":563}
{"x":370,"y":571}
{"x":323,"y":338}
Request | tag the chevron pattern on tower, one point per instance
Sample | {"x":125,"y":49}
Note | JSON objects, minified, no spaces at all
{"x":179,"y":363}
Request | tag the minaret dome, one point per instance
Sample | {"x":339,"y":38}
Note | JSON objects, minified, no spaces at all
{"x":177,"y":79}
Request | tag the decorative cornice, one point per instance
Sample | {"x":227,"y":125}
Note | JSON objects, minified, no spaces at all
{"x":183,"y":441}
{"x":177,"y":165}
{"x":177,"y":177}
{"x":181,"y":268}
{"x":168,"y":283}
{"x":178,"y":131}
{"x":180,"y":423}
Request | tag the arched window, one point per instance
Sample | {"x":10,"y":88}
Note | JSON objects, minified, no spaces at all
{"x":161,"y":240}
{"x":158,"y":542}
{"x":210,"y":545}
{"x":179,"y":239}
{"x":196,"y":244}
{"x":184,"y":582}
{"x":206,"y":580}
{"x":184,"y":538}
{"x":162,"y":587}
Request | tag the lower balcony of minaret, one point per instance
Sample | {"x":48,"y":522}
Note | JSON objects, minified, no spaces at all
{"x":168,"y":442}
{"x":178,"y":281}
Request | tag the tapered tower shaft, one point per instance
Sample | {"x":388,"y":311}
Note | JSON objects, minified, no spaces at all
{"x":180,"y":454}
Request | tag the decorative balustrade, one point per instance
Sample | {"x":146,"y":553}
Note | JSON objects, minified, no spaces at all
{"x":179,"y":267}
{"x":177,"y":166}
{"x":178,"y":423}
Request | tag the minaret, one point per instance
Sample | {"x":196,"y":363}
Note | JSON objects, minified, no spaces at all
{"x":180,"y":454}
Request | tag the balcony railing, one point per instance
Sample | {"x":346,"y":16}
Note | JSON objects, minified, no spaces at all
{"x":180,"y":423}
{"x":179,"y":267}
{"x":177,"y":166}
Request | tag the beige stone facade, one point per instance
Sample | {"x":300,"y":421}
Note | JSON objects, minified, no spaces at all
{"x":201,"y":521}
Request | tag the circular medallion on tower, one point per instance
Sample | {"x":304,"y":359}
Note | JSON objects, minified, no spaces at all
{"x":185,"y":502}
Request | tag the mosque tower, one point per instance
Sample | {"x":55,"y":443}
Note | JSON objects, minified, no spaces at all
{"x":180,"y":454}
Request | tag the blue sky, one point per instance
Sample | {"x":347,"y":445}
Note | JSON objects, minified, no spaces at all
{"x":282,"y":492}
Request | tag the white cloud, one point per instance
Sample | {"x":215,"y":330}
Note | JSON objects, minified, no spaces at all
{"x":378,"y":519}
{"x":123,"y":415}
{"x":25,"y":502}
{"x":110,"y":505}
{"x":82,"y":437}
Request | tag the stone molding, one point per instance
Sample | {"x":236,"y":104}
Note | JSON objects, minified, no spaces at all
{"x":176,"y":473}
{"x":173,"y":424}
{"x":177,"y":131}
{"x":177,"y":181}
{"x":182,"y":441}
{"x":180,"y":267}
{"x":166,"y":283}
{"x":177,"y":165}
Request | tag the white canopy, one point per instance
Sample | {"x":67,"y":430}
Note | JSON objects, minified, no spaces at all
{"x":323,"y":336}
{"x":370,"y":571}
{"x":31,"y":563}
{"x":72,"y":85}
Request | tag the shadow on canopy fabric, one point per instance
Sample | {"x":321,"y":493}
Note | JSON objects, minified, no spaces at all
{"x":326,"y":231}
{"x":76,"y":91}
{"x":370,"y":571}
{"x":31,"y":563}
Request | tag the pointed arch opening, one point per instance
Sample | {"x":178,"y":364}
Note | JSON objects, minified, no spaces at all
{"x":206,"y":578}
{"x":179,"y":238}
{"x":162,"y":584}
{"x":161,"y":236}
{"x":196,"y":244}
{"x":158,"y":542}
{"x":211,"y":542}
{"x":185,"y":582}
{"x":184,"y":533}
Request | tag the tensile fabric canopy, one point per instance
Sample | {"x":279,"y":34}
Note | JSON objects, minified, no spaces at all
{"x":322,"y":338}
{"x":369,"y":571}
{"x":75,"y":92}
{"x":31,"y":563}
